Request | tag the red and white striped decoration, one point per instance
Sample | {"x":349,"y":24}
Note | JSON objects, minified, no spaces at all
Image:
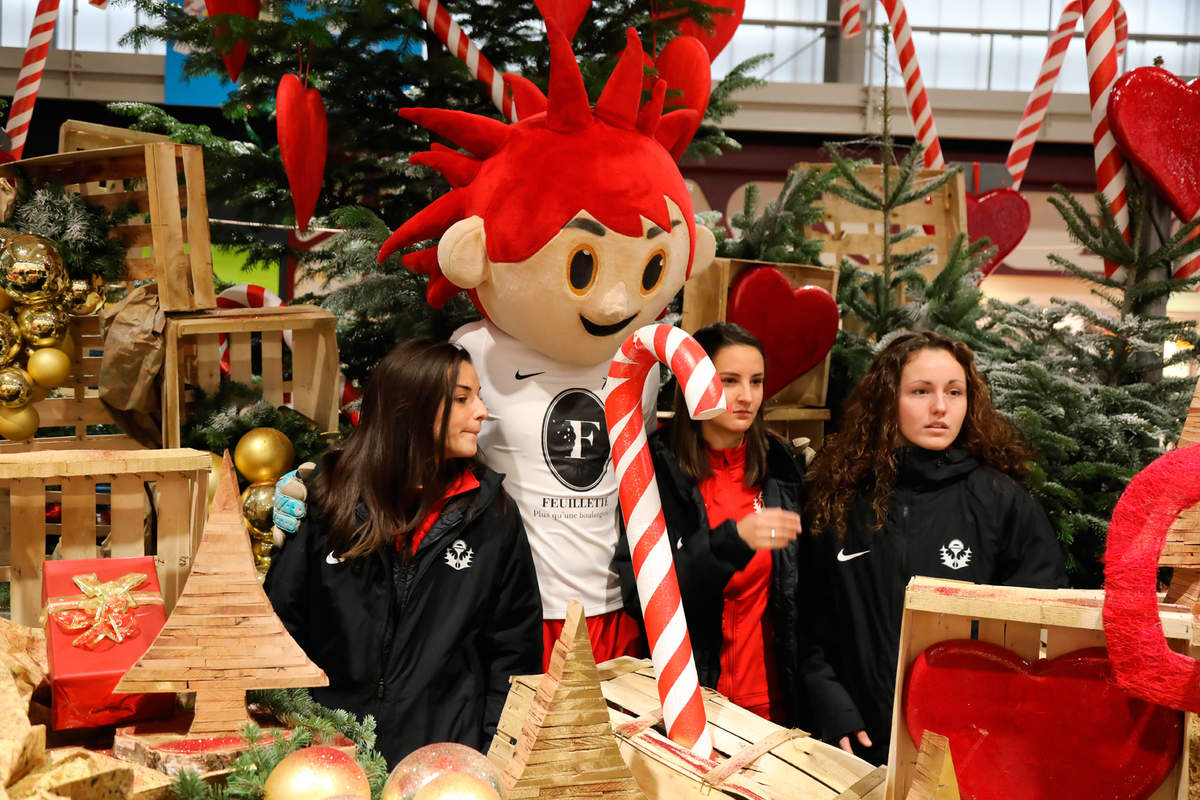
{"x":30,"y":76}
{"x":1100,"y":36}
{"x":1043,"y":88}
{"x":447,"y":30}
{"x":851,"y":16}
{"x":919,"y":110}
{"x":248,"y":295}
{"x":653,"y":566}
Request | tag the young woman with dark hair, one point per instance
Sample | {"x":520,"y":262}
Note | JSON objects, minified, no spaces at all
{"x":921,"y":479}
{"x":411,"y":582}
{"x":731,"y":498}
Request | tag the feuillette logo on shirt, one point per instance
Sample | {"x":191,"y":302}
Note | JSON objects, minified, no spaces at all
{"x":575,"y":439}
{"x":458,"y":555}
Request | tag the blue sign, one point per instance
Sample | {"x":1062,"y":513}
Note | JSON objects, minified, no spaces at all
{"x":201,"y":90}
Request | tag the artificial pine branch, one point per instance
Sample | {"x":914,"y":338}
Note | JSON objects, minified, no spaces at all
{"x":81,"y":232}
{"x":778,"y":232}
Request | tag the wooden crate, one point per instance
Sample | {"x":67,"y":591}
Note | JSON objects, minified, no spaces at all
{"x":76,"y":135}
{"x":168,"y":238}
{"x":193,"y":359}
{"x":179,"y":481}
{"x":706,"y":300}
{"x":1034,"y":623}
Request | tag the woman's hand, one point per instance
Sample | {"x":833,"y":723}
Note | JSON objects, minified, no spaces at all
{"x":862,"y":738}
{"x":769,"y":529}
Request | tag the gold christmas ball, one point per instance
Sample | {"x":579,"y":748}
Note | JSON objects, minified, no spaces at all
{"x":18,"y":424}
{"x":49,"y":367}
{"x":31,"y":270}
{"x":444,"y":771}
{"x":456,"y":786}
{"x":15,"y":387}
{"x":214,"y":475}
{"x":10,"y":338}
{"x":316,"y":773}
{"x":263,"y":454}
{"x":257,"y":503}
{"x":43,"y":325}
{"x":84,"y":295}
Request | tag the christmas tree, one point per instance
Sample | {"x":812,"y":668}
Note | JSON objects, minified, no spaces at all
{"x":369,"y":59}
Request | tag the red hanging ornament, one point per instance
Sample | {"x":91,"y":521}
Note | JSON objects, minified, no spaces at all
{"x":235,"y":57}
{"x":724,"y":23}
{"x":1003,"y":216}
{"x":303,"y":139}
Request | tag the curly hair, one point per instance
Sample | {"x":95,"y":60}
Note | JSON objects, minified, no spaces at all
{"x":861,"y":458}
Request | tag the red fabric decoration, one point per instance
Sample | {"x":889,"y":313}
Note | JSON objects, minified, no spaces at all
{"x":796,"y":326}
{"x":1054,"y":730}
{"x":1154,"y":117}
{"x":1142,"y":663}
{"x":303,"y":139}
{"x":567,"y":14}
{"x":724,"y":25}
{"x":235,"y":57}
{"x":1001,"y":215}
{"x":684,"y":65}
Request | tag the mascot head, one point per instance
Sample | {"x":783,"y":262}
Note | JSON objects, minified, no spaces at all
{"x":571,"y":227}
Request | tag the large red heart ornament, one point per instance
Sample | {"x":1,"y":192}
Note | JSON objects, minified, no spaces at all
{"x":1002,"y":215}
{"x":1154,"y":117}
{"x":797,"y":326}
{"x":684,"y":65}
{"x":724,"y":24}
{"x":303,"y":139}
{"x":567,"y":14}
{"x":235,"y":57}
{"x":1053,"y":730}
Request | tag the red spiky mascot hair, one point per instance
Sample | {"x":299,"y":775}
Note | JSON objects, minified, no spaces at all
{"x":528,"y":179}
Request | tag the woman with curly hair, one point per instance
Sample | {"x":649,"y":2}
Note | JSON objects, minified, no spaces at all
{"x":922,"y":479}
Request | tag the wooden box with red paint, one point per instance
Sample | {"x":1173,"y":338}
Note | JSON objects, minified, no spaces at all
{"x":1018,"y":680}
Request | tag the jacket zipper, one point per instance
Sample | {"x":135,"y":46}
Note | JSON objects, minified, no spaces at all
{"x":389,"y":628}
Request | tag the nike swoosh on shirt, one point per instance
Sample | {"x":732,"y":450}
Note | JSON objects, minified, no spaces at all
{"x":842,"y":556}
{"x":332,"y":559}
{"x":521,"y":377}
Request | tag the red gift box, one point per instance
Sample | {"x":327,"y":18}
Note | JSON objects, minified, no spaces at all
{"x":102,"y":614}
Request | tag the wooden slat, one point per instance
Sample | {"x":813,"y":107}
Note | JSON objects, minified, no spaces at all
{"x":272,"y":367}
{"x":174,"y":516}
{"x":127,"y":504}
{"x":90,"y":462}
{"x":200,"y":272}
{"x":240,"y":355}
{"x":28,"y":502}
{"x":79,"y":518}
{"x":165,"y":222}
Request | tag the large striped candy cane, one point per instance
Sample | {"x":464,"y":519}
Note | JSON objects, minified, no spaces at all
{"x":658,"y":588}
{"x":919,"y":110}
{"x":447,"y":30}
{"x":1043,"y":88}
{"x":30,"y":76}
{"x":851,"y":18}
{"x":1100,"y":36}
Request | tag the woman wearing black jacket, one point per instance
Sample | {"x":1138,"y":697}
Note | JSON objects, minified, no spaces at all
{"x":920,"y":480}
{"x":731,"y":499}
{"x":411,"y":582}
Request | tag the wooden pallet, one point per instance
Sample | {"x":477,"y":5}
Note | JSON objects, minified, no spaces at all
{"x":180,"y":481}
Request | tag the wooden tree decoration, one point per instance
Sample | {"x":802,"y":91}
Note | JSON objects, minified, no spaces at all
{"x":223,"y":636}
{"x":559,"y":742}
{"x":1182,"y":549}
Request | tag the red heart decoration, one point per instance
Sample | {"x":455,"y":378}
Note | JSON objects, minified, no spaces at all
{"x":566,"y":14}
{"x":235,"y":57}
{"x":1002,"y":215}
{"x":684,"y":65}
{"x":1143,"y":664}
{"x":724,"y":25}
{"x":1154,"y":117}
{"x":796,"y":326}
{"x":1054,"y":730}
{"x":303,"y":138}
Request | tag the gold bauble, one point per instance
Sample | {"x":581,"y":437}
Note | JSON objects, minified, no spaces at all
{"x":10,"y":338}
{"x":214,"y":476}
{"x":43,"y":325}
{"x":456,"y":786}
{"x":31,"y":270}
{"x":84,"y":295}
{"x":263,"y":454}
{"x":258,"y":502}
{"x":49,"y":367}
{"x":15,"y":387}
{"x":18,"y":424}
{"x":316,"y":773}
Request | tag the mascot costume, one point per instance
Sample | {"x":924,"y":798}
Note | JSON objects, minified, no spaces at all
{"x":569,"y":229}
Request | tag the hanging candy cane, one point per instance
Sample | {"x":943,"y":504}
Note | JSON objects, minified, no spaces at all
{"x":248,"y":295}
{"x":851,"y":19}
{"x":1099,"y":29}
{"x":1043,"y":88}
{"x":653,"y":567}
{"x":30,"y":76}
{"x":447,"y":30}
{"x":919,"y":110}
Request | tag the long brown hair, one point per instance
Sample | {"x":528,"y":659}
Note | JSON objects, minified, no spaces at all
{"x":687,"y":439}
{"x":862,"y":455}
{"x":394,"y":463}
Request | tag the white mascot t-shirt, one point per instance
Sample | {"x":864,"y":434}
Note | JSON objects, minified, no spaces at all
{"x":546,"y":433}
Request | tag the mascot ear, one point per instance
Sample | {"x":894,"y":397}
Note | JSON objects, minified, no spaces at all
{"x":706,"y":251}
{"x":461,"y":253}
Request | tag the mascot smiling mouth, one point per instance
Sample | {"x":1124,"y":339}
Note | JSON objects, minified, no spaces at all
{"x":604,"y":330}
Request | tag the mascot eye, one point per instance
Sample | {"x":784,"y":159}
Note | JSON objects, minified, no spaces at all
{"x":581,"y":270}
{"x":653,"y":274}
